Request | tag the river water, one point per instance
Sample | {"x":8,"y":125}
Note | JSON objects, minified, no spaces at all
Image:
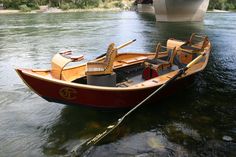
{"x":199,"y":121}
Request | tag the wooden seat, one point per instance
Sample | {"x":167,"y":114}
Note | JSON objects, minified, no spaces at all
{"x":195,"y":44}
{"x":160,"y":63}
{"x":192,"y":48}
{"x":155,"y":65}
{"x":103,"y":67}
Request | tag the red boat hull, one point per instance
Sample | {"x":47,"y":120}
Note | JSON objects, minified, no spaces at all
{"x":71,"y":94}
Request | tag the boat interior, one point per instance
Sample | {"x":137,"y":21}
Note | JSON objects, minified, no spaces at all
{"x":133,"y":74}
{"x":129,"y":69}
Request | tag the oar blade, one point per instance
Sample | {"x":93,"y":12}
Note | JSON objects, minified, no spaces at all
{"x":85,"y":147}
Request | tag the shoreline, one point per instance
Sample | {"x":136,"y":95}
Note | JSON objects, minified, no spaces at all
{"x":57,"y":10}
{"x":219,"y":11}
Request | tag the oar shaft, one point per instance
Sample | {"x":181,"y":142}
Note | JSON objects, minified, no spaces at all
{"x":195,"y":60}
{"x":126,"y":44}
{"x":119,"y":47}
{"x":85,"y":146}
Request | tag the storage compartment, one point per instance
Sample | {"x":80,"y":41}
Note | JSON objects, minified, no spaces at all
{"x":186,"y":57}
{"x":102,"y":80}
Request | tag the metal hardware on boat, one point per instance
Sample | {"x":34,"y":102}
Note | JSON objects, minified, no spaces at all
{"x":110,"y":126}
{"x":155,"y":81}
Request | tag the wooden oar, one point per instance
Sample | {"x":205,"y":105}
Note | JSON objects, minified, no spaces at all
{"x":125,"y":44}
{"x":82,"y":148}
{"x":119,"y":47}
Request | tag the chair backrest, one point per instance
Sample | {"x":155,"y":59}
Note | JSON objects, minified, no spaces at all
{"x":199,"y":41}
{"x":158,"y":49}
{"x":110,"y":56}
{"x":109,"y":51}
{"x":171,"y":52}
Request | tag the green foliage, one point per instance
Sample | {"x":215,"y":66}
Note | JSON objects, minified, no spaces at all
{"x":18,"y":4}
{"x":222,"y":4}
{"x":65,"y":6}
{"x":54,"y":3}
{"x":72,"y":5}
{"x":24,"y":8}
{"x":33,"y":5}
{"x":119,"y":4}
{"x":113,"y":4}
{"x":88,"y":3}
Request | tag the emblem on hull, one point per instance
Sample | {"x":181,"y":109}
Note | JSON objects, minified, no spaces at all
{"x":68,"y":93}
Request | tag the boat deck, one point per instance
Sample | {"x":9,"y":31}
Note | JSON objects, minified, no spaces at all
{"x":133,"y":76}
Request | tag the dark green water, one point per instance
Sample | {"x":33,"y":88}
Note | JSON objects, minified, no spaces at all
{"x":193,"y":122}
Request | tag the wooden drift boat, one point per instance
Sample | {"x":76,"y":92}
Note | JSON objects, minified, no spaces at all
{"x":117,"y":80}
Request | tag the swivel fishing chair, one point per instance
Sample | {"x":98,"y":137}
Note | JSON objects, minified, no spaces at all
{"x":154,"y":66}
{"x":196,"y":43}
{"x":105,"y":66}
